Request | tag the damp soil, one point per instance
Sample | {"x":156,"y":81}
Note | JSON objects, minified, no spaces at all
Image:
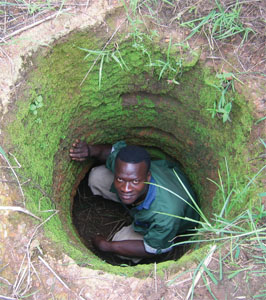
{"x":94,"y":215}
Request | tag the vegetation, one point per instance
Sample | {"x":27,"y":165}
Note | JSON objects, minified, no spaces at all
{"x":228,"y":236}
{"x":220,"y":23}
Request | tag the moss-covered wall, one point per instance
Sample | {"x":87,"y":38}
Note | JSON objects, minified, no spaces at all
{"x":132,"y":104}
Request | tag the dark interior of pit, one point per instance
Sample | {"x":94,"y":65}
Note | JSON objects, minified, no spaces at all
{"x":95,"y":215}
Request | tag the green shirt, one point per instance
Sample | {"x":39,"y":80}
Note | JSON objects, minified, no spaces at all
{"x":152,"y":217}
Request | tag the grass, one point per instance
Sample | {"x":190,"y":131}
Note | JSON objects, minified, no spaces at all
{"x":260,"y":120}
{"x":220,"y":23}
{"x":168,"y":65}
{"x":105,"y":56}
{"x":229,"y":236}
{"x":224,"y":105}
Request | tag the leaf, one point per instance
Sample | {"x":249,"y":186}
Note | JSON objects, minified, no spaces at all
{"x":117,"y":60}
{"x":210,"y":274}
{"x":228,"y":107}
{"x":39,"y":99}
{"x":261,"y":119}
{"x":237,"y":252}
{"x":32,"y":107}
{"x":100,"y":71}
{"x":3,"y":152}
{"x":234,"y":273}
{"x":39,"y":105}
{"x":225,"y":117}
{"x":262,"y":141}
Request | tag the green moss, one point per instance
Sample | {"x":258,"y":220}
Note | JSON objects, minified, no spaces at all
{"x":174,"y":118}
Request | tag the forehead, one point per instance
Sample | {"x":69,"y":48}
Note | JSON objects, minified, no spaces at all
{"x":130,"y":170}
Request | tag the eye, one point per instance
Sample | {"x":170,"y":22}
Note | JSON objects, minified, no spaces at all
{"x":135,"y":181}
{"x":119,"y":179}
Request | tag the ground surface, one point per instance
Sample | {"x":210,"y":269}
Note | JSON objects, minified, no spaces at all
{"x":30,"y":266}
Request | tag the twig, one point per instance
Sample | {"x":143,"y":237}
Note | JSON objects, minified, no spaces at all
{"x":155,"y":278}
{"x":7,"y":298}
{"x":201,"y":270}
{"x":87,"y":4}
{"x":3,"y":268}
{"x":20,"y":278}
{"x":52,"y":271}
{"x":37,"y":228}
{"x":115,"y":228}
{"x":12,"y":169}
{"x":35,"y":24}
{"x":6,"y":281}
{"x":20,"y":209}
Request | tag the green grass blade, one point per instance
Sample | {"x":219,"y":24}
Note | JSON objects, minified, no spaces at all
{"x":198,"y":210}
{"x":3,"y":152}
{"x":208,"y":286}
{"x":115,"y":58}
{"x":101,"y":71}
{"x":179,"y":217}
{"x":234,"y":273}
{"x":212,"y":277}
{"x":260,"y":120}
{"x":192,"y":199}
{"x":220,"y":266}
{"x":263,"y":143}
{"x":169,"y":3}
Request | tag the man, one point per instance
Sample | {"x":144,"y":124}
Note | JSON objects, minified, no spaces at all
{"x":146,"y":188}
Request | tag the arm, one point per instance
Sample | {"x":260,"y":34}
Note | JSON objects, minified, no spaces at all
{"x":129,"y":248}
{"x":80,"y":151}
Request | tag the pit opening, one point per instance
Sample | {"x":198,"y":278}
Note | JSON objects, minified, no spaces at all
{"x":133,"y":104}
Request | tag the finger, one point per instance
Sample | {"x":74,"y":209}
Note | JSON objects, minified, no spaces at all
{"x":77,"y":155}
{"x":77,"y":141}
{"x":78,"y":159}
{"x":76,"y":150}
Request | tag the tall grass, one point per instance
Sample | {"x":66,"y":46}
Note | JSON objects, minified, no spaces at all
{"x":220,"y":23}
{"x":227,"y":235}
{"x":105,"y":56}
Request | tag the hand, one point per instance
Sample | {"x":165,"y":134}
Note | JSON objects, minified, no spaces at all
{"x":79,"y":151}
{"x":99,"y":242}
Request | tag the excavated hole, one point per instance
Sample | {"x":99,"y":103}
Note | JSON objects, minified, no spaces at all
{"x":132,"y":105}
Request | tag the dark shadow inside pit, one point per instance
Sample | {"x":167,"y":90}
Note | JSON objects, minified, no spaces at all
{"x":95,"y":215}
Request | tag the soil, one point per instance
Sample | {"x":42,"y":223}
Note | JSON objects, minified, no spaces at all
{"x":28,"y":268}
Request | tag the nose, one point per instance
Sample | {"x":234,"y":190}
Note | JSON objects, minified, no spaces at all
{"x":126,"y":188}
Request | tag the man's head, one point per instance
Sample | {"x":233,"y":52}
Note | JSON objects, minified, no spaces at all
{"x":132,"y":169}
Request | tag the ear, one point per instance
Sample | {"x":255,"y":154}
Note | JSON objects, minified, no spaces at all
{"x":149,"y":176}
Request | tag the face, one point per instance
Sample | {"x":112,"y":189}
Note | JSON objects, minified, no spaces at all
{"x":129,"y":181}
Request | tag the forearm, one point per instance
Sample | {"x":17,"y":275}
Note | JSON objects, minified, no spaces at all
{"x":128,"y":248}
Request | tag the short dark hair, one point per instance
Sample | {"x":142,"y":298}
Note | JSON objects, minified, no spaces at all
{"x":134,"y":154}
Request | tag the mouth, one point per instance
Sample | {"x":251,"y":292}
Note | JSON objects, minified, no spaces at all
{"x":126,"y":197}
